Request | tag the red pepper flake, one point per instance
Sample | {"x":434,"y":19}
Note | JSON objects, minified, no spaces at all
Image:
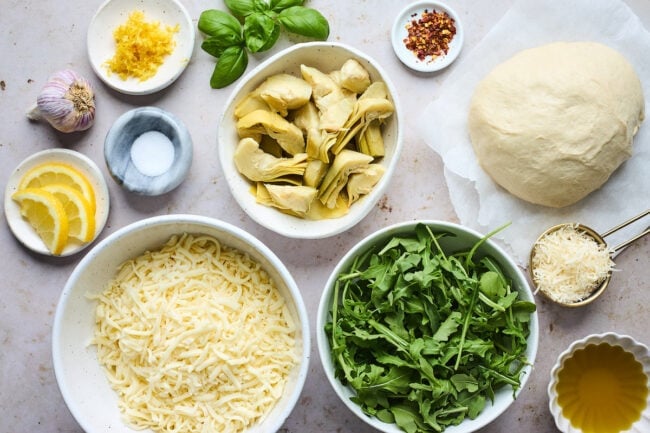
{"x":430,"y":35}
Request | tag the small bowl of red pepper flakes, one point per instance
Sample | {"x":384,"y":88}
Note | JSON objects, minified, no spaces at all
{"x":427,"y":36}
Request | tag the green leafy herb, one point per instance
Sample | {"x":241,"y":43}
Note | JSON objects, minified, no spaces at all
{"x":255,"y":26}
{"x":426,"y":339}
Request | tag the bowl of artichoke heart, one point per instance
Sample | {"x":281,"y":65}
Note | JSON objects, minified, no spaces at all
{"x":427,"y":326}
{"x":180,"y":323}
{"x":310,"y":138}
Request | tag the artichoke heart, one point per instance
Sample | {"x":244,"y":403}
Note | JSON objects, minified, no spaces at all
{"x":321,"y":83}
{"x":365,"y":111}
{"x":284,"y":92}
{"x":378,"y":89}
{"x":363,"y":182}
{"x":345,"y":163}
{"x":319,"y":142}
{"x":306,"y":117}
{"x":259,"y":166}
{"x":371,"y":141}
{"x":288,"y":135}
{"x":315,"y":172}
{"x":294,"y":198}
{"x":336,"y":108}
{"x":249,"y":104}
{"x":352,"y":76}
{"x":334,"y":103}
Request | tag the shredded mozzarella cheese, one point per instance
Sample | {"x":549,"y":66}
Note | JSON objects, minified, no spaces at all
{"x":568,"y":264}
{"x":141,"y":47}
{"x":194,"y":337}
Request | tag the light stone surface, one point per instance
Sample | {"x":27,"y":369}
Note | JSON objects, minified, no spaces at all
{"x":42,"y":37}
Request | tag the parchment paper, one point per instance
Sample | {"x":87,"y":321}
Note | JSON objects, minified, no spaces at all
{"x":478,"y":201}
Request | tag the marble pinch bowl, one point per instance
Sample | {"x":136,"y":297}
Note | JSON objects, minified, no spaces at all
{"x":80,"y":377}
{"x":118,"y":147}
{"x":326,"y":56}
{"x":459,"y":239}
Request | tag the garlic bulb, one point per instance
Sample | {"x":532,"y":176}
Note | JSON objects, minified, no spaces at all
{"x":67,"y":102}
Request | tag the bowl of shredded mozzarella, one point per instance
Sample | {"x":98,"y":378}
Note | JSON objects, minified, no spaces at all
{"x":180,"y":323}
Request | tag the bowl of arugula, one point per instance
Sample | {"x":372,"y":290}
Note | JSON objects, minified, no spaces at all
{"x":427,"y":326}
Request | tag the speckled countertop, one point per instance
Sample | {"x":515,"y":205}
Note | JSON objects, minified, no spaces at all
{"x":42,"y":37}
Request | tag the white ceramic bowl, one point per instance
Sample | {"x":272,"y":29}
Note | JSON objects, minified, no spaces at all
{"x":461,"y":239}
{"x":326,"y":56}
{"x":160,"y":166}
{"x":101,"y":45}
{"x":82,"y":380}
{"x":399,"y":32}
{"x":21,"y":228}
{"x":641,"y":354}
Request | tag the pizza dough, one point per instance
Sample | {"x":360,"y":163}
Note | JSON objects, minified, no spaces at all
{"x":552,"y":123}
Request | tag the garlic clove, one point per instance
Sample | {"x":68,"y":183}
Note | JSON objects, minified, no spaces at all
{"x":66,"y":102}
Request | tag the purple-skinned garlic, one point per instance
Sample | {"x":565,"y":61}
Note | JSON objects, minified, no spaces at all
{"x":67,"y":102}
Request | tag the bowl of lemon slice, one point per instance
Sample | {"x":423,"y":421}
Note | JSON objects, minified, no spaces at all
{"x":56,"y":202}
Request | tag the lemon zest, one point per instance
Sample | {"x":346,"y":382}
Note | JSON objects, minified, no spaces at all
{"x":141,"y":47}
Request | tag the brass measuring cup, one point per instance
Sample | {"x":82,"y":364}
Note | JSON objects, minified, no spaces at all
{"x":598,"y":290}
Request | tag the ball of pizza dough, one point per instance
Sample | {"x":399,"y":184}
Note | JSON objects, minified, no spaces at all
{"x":552,"y":123}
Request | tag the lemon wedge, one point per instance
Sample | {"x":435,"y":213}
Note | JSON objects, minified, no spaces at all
{"x":46,"y":215}
{"x":81,"y":218}
{"x":59,"y":173}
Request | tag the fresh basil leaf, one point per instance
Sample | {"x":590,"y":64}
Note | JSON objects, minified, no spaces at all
{"x":241,"y":8}
{"x":280,"y":5}
{"x":215,"y":46}
{"x":260,"y":32}
{"x":305,"y":22}
{"x":217,"y":23}
{"x":261,"y":5}
{"x":230,"y":66}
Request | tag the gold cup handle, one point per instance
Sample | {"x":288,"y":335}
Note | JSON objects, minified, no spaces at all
{"x":625,"y":224}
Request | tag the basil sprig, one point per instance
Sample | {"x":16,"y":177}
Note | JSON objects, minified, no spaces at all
{"x":253,"y":25}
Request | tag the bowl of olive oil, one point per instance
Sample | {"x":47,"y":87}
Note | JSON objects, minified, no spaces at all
{"x":601,"y":384}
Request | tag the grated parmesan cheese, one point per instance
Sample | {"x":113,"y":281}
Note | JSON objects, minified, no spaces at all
{"x":194,"y":337}
{"x":568,"y":264}
{"x":141,"y":47}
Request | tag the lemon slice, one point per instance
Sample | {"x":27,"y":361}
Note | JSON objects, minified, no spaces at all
{"x":46,"y":214}
{"x":81,"y":218}
{"x":56,"y":172}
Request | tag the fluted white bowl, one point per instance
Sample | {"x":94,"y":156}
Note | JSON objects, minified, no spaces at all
{"x":641,"y":354}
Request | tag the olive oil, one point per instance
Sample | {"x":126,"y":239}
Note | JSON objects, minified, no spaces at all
{"x":602,"y":389}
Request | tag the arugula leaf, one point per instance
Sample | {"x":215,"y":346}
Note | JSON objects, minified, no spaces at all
{"x":230,"y":66}
{"x":425,"y":339}
{"x":305,"y":22}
